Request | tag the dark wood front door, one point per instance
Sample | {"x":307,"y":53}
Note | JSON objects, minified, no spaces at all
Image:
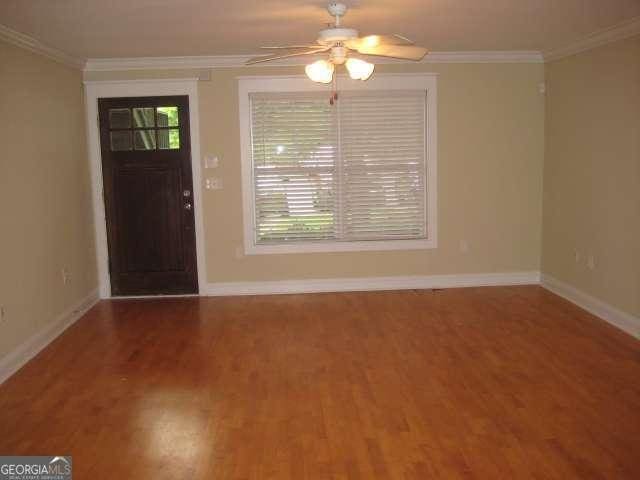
{"x":148,"y":193}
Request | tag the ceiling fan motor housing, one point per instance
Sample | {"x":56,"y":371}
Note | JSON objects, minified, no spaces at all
{"x":332,"y":36}
{"x":337,"y":36}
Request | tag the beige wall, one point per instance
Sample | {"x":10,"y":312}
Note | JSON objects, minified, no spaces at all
{"x":45,"y":202}
{"x":490,"y":129}
{"x":592,"y":173}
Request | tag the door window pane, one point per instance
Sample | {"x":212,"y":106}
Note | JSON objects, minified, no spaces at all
{"x":145,"y":139}
{"x":169,"y":139}
{"x":167,"y":116}
{"x":119,"y":118}
{"x":143,"y":117}
{"x":120,"y":140}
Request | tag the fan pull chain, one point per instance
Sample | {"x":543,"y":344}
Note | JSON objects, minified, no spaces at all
{"x":334,"y":94}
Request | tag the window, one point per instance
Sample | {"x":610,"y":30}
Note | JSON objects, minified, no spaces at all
{"x":356,"y":175}
{"x":143,"y":135}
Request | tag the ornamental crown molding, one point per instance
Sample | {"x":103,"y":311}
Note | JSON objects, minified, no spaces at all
{"x":626,"y":29}
{"x":36,"y":46}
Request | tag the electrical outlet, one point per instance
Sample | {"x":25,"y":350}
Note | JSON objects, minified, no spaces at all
{"x":591,"y":262}
{"x":239,"y":252}
{"x":464,"y":246}
{"x":66,"y":276}
{"x":577,"y":256}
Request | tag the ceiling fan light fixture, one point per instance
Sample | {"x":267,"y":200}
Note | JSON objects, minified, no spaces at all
{"x":320,"y":71}
{"x":359,"y":69}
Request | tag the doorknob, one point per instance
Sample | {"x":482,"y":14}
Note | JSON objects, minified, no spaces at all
{"x":187,"y":206}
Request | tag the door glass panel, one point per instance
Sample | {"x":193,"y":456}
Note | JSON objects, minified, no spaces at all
{"x":169,"y":139}
{"x":167,"y":116}
{"x":119,"y":118}
{"x":145,"y":139}
{"x":120,"y":140}
{"x":143,"y":117}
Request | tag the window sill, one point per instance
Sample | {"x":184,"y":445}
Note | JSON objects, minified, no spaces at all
{"x":359,"y":246}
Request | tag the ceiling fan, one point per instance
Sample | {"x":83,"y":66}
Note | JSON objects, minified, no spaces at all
{"x":339,"y":42}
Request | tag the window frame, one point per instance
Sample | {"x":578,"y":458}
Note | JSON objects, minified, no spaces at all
{"x":300,"y":83}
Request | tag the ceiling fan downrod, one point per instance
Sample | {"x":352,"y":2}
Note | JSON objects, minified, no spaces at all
{"x":337,"y":10}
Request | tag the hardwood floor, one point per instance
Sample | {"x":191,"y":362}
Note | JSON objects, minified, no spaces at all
{"x":484,"y":383}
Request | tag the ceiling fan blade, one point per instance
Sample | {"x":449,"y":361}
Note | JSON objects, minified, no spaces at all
{"x":276,"y":56}
{"x":375,"y":40}
{"x":402,"y":37}
{"x":407,"y":52}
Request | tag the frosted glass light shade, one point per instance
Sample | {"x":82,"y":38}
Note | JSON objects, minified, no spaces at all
{"x":359,"y":69}
{"x":320,"y":71}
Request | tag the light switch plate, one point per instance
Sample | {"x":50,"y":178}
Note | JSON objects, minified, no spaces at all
{"x":211,"y":161}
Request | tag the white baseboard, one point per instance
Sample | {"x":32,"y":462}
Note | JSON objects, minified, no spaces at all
{"x":369,"y":283}
{"x":16,"y":359}
{"x":616,"y":317}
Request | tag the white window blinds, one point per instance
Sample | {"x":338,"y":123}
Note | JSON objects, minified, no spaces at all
{"x":349,"y":172}
{"x":294,"y":162}
{"x":382,"y":180}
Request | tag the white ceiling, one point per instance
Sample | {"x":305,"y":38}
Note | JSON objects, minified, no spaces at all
{"x":132,"y":28}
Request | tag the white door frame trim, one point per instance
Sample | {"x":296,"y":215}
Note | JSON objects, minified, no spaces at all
{"x":140,"y":88}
